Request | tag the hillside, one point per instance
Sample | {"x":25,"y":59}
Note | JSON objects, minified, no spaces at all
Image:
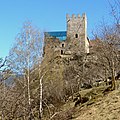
{"x":106,"y":108}
{"x":99,"y":107}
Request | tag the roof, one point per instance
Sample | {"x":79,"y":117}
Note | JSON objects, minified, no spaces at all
{"x":61,"y":35}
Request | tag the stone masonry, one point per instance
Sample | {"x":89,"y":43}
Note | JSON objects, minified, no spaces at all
{"x":76,"y":38}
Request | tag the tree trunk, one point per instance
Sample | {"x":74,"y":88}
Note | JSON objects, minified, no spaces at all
{"x":113,"y":75}
{"x":28,"y":90}
{"x":40,"y":107}
{"x":24,"y":97}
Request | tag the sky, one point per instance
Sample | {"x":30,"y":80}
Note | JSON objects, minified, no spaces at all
{"x":47,"y":15}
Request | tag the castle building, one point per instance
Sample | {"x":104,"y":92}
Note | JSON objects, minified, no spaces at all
{"x":65,"y":43}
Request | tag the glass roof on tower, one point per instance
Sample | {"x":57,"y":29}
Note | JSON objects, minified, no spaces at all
{"x":61,"y":35}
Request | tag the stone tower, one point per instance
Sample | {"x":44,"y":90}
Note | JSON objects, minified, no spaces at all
{"x":77,"y":32}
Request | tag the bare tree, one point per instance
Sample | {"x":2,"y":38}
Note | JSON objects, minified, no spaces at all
{"x":115,"y":10}
{"x":108,"y":46}
{"x":25,"y":54}
{"x":2,"y":62}
{"x":107,"y":50}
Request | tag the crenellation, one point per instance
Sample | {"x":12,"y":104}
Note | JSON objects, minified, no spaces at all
{"x":78,"y":16}
{"x":76,"y":37}
{"x":84,"y":16}
{"x":67,"y":17}
{"x":73,"y":16}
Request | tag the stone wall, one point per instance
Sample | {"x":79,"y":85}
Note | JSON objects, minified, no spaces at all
{"x":77,"y":32}
{"x":76,"y":38}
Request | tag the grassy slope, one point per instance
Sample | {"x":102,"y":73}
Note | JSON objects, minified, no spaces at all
{"x":99,"y":107}
{"x":104,"y":108}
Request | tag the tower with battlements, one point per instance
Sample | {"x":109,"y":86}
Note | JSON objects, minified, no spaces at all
{"x":75,"y":39}
{"x":77,"y":32}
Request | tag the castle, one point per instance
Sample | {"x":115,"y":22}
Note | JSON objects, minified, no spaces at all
{"x":65,"y":43}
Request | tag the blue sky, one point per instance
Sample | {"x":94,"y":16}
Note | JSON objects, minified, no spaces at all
{"x":47,"y":15}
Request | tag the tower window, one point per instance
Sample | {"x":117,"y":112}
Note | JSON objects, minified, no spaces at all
{"x":61,"y":52}
{"x":63,"y":45}
{"x":76,"y":35}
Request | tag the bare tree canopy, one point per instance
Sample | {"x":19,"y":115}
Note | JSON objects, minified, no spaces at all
{"x":28,"y":43}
